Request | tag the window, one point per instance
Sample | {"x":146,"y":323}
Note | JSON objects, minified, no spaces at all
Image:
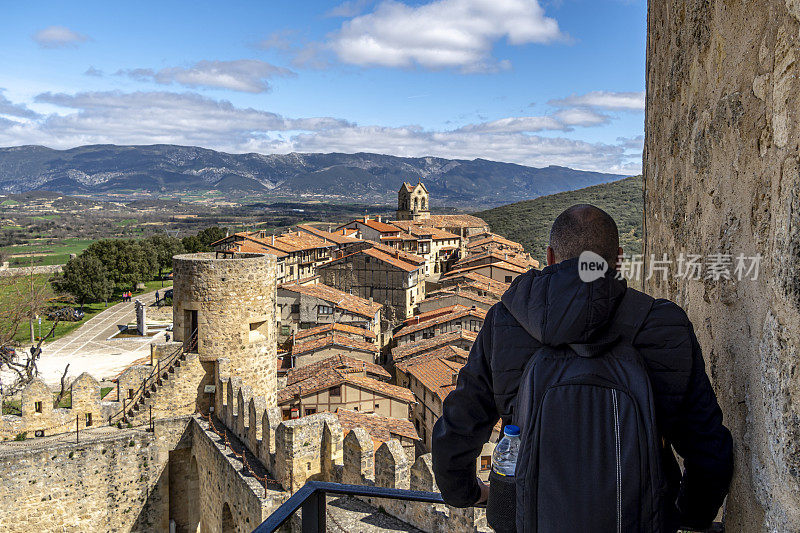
{"x":325,"y":310}
{"x":37,"y":406}
{"x":310,"y":411}
{"x":486,"y":463}
{"x":88,"y":419}
{"x":355,"y":408}
{"x":130,"y":394}
{"x":508,"y":279}
{"x":258,"y":331}
{"x":335,"y":392}
{"x":286,"y":330}
{"x":295,"y":308}
{"x":412,"y":337}
{"x":377,"y":406}
{"x":286,"y":414}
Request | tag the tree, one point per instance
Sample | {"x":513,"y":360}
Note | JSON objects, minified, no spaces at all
{"x":166,"y":247}
{"x":203,"y":240}
{"x":85,"y":278}
{"x":22,"y":298}
{"x":127,"y":261}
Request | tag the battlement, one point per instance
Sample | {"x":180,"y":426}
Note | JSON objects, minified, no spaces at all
{"x":38,"y":417}
{"x":314,"y":448}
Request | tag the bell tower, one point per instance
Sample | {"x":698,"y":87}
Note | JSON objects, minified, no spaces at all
{"x":412,"y":202}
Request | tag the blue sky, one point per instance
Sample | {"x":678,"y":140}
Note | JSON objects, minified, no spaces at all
{"x":537,"y":83}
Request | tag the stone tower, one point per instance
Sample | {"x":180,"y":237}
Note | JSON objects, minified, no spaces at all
{"x":412,"y":202}
{"x":228,"y":306}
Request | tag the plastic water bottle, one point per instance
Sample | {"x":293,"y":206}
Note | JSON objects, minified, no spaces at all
{"x":504,"y":458}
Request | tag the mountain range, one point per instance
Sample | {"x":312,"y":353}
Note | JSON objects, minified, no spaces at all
{"x":361,"y":177}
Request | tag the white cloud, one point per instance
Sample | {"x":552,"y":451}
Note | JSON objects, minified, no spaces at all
{"x":191,"y":119}
{"x":516,"y":125}
{"x":618,"y":101}
{"x":9,"y":108}
{"x":577,"y":116}
{"x":442,"y":33}
{"x":246,"y":75}
{"x":348,"y":9}
{"x":58,"y":37}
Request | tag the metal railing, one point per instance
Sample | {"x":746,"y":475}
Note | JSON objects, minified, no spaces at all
{"x":187,"y":346}
{"x":311,"y":498}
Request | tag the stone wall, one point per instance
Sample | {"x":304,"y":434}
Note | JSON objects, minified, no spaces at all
{"x":721,"y":168}
{"x":234,"y":305}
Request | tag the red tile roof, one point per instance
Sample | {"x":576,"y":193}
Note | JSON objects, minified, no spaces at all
{"x":451,"y":353}
{"x":335,"y":339}
{"x":405,"y":351}
{"x":336,"y":362}
{"x":338,"y":238}
{"x":343,"y":300}
{"x":441,"y":319}
{"x":331,"y":377}
{"x":436,"y":375}
{"x":330,"y":328}
{"x":380,"y":428}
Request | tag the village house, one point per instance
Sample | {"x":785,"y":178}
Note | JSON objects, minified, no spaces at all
{"x":250,"y":243}
{"x":522,"y":260}
{"x":431,"y":378}
{"x":381,"y":429}
{"x":326,"y":330}
{"x":308,"y":351}
{"x":488,"y":242}
{"x":474,"y":282}
{"x":328,"y":389}
{"x":381,"y":273}
{"x":461,"y":339}
{"x":455,"y":295}
{"x":338,"y":362}
{"x":302,"y":307}
{"x":439,"y":322}
{"x":499,"y":271}
{"x":370,"y":229}
{"x":439,"y":248}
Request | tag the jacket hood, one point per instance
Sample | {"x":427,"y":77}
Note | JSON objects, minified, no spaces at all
{"x":556,"y":307}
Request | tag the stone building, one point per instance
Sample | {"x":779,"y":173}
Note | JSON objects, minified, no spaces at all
{"x":460,"y":339}
{"x":381,"y":274}
{"x":439,"y":248}
{"x":351,"y":388}
{"x":371,"y":229}
{"x":439,"y":322}
{"x":301,"y":307}
{"x":312,"y":350}
{"x":412,"y":202}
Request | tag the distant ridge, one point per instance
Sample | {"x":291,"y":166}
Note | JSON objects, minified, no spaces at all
{"x":361,"y":177}
{"x":529,"y":222}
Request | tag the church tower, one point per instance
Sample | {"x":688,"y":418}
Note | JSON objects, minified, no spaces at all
{"x":412,"y":202}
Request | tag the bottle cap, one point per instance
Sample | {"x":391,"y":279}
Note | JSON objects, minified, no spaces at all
{"x":511,"y":430}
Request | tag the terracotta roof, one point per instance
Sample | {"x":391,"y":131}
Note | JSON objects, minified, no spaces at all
{"x":520,"y":260}
{"x":467,"y":294}
{"x":476,"y":281}
{"x":243,"y":242}
{"x":338,"y":238}
{"x":381,"y":227}
{"x":422,"y":317}
{"x":411,"y":349}
{"x":337,"y":362}
{"x":441,"y":319}
{"x":409,"y":187}
{"x":495,"y":239}
{"x":452,"y":353}
{"x":453,"y":221}
{"x":331,"y":377}
{"x":414,"y":259}
{"x":435,"y":374}
{"x":419,"y":228}
{"x":380,"y":428}
{"x":399,"y":237}
{"x":349,"y":302}
{"x":328,"y":328}
{"x":335,"y":339}
{"x":390,"y":259}
{"x":500,"y":264}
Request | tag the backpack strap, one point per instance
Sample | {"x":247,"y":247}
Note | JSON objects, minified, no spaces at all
{"x":631,"y":313}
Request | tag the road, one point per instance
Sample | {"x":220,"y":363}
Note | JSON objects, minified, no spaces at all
{"x":91,"y":348}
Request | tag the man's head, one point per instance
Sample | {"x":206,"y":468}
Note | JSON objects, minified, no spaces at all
{"x":580,"y":228}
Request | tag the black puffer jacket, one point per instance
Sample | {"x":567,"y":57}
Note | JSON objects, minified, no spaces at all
{"x":555,"y":307}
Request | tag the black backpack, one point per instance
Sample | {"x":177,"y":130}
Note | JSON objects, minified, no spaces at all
{"x":589,"y":458}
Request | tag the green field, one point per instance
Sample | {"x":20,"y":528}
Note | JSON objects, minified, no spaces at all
{"x":529,"y":222}
{"x":46,"y":251}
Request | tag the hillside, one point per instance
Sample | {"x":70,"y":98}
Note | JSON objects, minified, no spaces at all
{"x":363,"y":178}
{"x":529,"y":222}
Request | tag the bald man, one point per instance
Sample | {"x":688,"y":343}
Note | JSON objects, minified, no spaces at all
{"x":556,"y":308}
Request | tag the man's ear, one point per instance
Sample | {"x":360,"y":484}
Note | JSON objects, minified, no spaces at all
{"x":551,"y":256}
